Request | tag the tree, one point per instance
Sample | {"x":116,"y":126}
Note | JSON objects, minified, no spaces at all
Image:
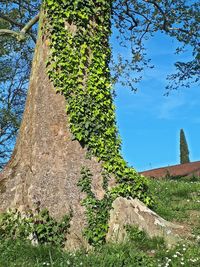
{"x":71,"y":161}
{"x":184,"y":151}
{"x":15,"y":64}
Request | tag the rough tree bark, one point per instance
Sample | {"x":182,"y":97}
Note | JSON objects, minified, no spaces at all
{"x":46,"y":164}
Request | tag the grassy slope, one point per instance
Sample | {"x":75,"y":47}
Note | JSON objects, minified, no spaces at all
{"x":176,"y":201}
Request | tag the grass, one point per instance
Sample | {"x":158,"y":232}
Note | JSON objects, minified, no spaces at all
{"x":23,"y":254}
{"x":139,"y":250}
{"x":177,"y":201}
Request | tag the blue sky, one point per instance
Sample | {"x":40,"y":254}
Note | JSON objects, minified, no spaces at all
{"x":149,"y":122}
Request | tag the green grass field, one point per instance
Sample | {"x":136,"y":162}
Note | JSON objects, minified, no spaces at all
{"x":177,"y":201}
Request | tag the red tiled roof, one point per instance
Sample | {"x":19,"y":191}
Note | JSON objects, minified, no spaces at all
{"x":186,"y":169}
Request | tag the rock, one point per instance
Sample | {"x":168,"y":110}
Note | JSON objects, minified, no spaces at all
{"x":134,"y":212}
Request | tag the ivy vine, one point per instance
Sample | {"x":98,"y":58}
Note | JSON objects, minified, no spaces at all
{"x":39,"y":228}
{"x":97,"y":211}
{"x":78,"y":66}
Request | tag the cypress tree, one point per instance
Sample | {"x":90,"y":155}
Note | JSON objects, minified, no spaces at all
{"x":184,"y":151}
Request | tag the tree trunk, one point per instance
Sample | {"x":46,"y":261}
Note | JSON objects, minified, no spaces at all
{"x":46,"y":163}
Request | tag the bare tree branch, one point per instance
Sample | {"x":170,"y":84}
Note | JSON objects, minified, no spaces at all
{"x":162,"y":13}
{"x":6,"y":31}
{"x":135,"y":22}
{"x":29,"y":25}
{"x":21,"y":34}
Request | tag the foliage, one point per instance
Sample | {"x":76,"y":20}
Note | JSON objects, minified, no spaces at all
{"x":138,"y":21}
{"x":79,"y":69}
{"x":184,"y":151}
{"x":98,"y":211}
{"x":39,"y":228}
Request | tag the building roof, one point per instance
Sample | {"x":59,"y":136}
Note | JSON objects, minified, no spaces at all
{"x":186,"y":169}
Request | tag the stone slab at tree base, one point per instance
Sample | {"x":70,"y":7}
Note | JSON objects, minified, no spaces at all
{"x":134,"y":213}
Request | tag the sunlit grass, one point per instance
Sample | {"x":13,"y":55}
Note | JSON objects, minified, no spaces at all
{"x":177,"y":201}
